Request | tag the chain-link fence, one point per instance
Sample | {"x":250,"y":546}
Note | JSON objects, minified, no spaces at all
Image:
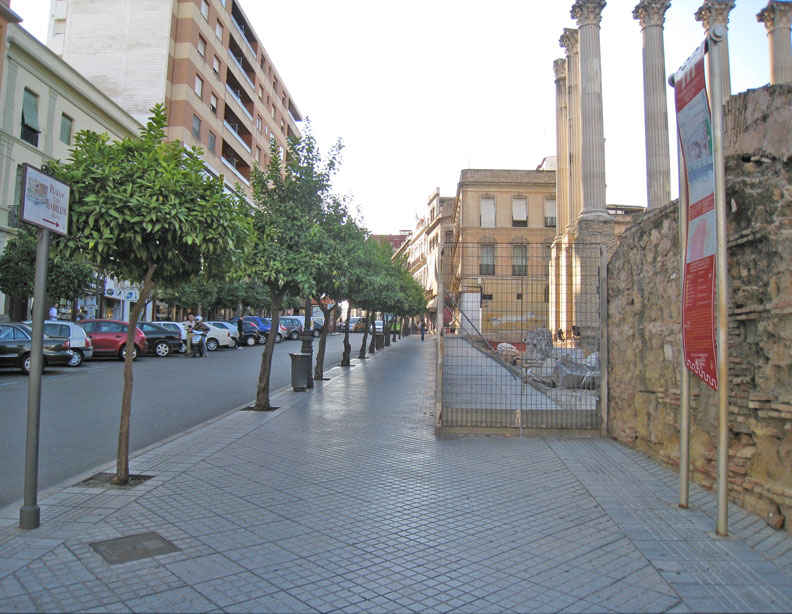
{"x":522,"y":336}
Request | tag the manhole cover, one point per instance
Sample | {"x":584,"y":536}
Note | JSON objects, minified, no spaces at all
{"x":132,"y":548}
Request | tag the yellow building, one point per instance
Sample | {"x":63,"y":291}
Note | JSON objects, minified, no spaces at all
{"x":504,"y":222}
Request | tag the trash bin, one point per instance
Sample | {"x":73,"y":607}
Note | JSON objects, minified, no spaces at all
{"x":379,"y":342}
{"x":300,"y":367}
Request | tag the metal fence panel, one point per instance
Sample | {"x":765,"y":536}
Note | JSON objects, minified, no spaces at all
{"x":522,"y":336}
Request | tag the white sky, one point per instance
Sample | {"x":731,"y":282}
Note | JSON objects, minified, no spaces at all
{"x":421,"y":89}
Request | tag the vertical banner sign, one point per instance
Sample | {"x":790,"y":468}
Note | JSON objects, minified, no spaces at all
{"x":698,"y":300}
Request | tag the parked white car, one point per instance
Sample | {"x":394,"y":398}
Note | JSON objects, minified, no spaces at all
{"x":79,"y":342}
{"x":231,"y":328}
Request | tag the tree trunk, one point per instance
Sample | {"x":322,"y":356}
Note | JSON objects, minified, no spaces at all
{"x":263,"y":386}
{"x":386,"y":331}
{"x":320,"y":353}
{"x":365,"y":336}
{"x":122,"y":461}
{"x":347,"y":347}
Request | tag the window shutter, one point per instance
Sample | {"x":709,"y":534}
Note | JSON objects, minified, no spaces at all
{"x":488,"y":213}
{"x":519,"y":210}
{"x":30,"y":111}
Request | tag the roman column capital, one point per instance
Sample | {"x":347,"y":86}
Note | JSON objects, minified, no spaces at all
{"x":651,"y":12}
{"x":587,"y":12}
{"x":776,"y":15}
{"x":569,"y":41}
{"x":559,"y":68}
{"x":714,"y":13}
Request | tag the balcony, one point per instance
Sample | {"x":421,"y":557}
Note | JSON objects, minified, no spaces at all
{"x":237,"y":165}
{"x":241,"y":30}
{"x":238,"y":58}
{"x":234,"y":88}
{"x":238,"y":129}
{"x":244,"y":29}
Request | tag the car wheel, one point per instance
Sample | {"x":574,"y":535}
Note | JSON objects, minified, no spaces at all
{"x":25,"y":364}
{"x":182,"y":348}
{"x":294,"y":335}
{"x":77,"y":358}
{"x":262,"y":339}
{"x":162,"y":349}
{"x":122,"y":352}
{"x":212,"y":344}
{"x":278,"y":337}
{"x":316,"y":332}
{"x":250,"y":340}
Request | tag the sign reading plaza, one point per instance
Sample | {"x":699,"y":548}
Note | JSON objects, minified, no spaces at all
{"x":45,"y":200}
{"x":698,"y":302}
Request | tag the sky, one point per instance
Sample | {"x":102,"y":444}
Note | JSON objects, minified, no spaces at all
{"x":420,"y":89}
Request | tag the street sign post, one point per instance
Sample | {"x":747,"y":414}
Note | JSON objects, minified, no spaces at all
{"x":45,"y":203}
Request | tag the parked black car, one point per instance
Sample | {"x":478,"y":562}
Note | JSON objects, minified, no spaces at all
{"x":15,"y":342}
{"x":161,"y":341}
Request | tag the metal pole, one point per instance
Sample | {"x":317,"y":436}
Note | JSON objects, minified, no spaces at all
{"x":717,"y":35}
{"x":307,"y":339}
{"x":603,"y":353}
{"x":29,"y":513}
{"x":439,"y":360}
{"x":684,"y":394}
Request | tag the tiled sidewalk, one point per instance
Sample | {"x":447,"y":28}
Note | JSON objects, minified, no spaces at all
{"x":343,"y":500}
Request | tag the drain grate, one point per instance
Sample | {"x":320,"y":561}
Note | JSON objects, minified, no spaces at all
{"x":133,"y":548}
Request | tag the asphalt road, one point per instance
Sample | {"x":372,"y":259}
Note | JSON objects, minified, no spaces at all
{"x":80,"y":408}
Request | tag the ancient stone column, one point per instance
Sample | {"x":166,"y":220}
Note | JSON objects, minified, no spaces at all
{"x":651,"y":14}
{"x":562,"y":147}
{"x":777,"y":18}
{"x":716,"y":13}
{"x":569,"y":41}
{"x":588,"y":14}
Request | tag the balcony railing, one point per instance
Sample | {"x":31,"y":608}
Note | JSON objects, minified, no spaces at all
{"x":242,"y":70}
{"x":232,"y":168}
{"x":236,"y":134}
{"x":236,"y":97}
{"x":241,"y":30}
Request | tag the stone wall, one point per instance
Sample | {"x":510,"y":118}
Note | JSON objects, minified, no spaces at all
{"x":644,"y":343}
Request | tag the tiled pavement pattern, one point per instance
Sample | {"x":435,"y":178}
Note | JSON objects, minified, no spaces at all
{"x":345,"y":501}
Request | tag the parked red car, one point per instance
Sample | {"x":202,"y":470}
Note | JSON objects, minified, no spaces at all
{"x":108,"y":338}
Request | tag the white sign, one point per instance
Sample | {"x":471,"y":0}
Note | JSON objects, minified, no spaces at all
{"x":45,"y":200}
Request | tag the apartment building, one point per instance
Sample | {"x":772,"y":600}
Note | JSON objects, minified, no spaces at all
{"x":422,"y":248}
{"x":201,"y":58}
{"x":45,"y":102}
{"x":498,"y":264}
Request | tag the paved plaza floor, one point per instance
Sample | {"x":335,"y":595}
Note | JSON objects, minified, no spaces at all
{"x":343,"y":500}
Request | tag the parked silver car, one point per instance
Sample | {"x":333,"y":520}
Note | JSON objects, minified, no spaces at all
{"x":79,"y":342}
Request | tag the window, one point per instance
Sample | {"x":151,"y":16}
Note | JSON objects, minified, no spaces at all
{"x":519,"y":260}
{"x":487,"y":219}
{"x":263,"y":62}
{"x":449,"y":236}
{"x":258,"y":123}
{"x":196,"y":127}
{"x":213,"y":104}
{"x":219,"y":30}
{"x":30,"y":125}
{"x":205,"y":9}
{"x":223,"y":2}
{"x":261,"y":93}
{"x":487,"y":260}
{"x":273,"y":110}
{"x":216,"y":65}
{"x":550,"y":213}
{"x":198,"y":86}
{"x":201,"y":46}
{"x":275,"y":85}
{"x":67,"y":124}
{"x":212,"y":142}
{"x":519,"y":212}
{"x":258,"y":154}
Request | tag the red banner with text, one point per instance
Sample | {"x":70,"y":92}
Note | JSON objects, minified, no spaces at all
{"x":698,"y":302}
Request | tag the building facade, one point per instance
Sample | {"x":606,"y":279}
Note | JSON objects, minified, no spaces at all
{"x":45,"y":103}
{"x":201,"y":58}
{"x":504,"y":222}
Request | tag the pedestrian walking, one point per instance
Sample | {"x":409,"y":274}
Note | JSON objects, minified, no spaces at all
{"x":423,"y":329}
{"x":241,"y":329}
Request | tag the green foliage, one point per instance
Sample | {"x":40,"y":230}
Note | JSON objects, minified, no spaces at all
{"x":143,"y":202}
{"x":67,"y":278}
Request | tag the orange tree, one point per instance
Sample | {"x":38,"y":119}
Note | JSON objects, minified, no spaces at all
{"x":145,"y":210}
